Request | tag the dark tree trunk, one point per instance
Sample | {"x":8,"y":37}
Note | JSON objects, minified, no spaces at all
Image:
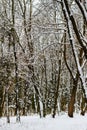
{"x":68,"y":17}
{"x":2,"y":99}
{"x":72,"y":100}
{"x":16,"y":64}
{"x":83,"y":106}
{"x":75,"y":84}
{"x":75,"y":28}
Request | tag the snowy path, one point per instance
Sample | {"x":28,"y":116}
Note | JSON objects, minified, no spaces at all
{"x":35,"y":123}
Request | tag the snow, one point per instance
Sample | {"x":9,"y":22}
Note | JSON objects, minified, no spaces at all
{"x":62,"y":122}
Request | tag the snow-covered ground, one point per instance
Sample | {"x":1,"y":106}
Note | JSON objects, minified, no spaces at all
{"x":62,"y":122}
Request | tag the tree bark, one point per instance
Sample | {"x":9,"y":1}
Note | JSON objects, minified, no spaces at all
{"x":16,"y":64}
{"x":70,"y":19}
{"x":57,"y":89}
{"x":75,"y":27}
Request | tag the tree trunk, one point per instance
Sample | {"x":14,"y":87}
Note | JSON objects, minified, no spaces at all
{"x":69,"y":18}
{"x":56,"y":93}
{"x":72,"y":100}
{"x":16,"y":64}
{"x":83,"y":45}
{"x":2,"y":99}
{"x":45,"y":100}
{"x":83,"y":106}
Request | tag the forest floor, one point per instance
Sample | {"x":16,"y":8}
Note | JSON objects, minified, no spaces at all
{"x":34,"y":122}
